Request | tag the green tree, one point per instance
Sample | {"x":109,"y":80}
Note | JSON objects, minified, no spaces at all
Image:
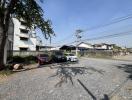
{"x":28,"y":10}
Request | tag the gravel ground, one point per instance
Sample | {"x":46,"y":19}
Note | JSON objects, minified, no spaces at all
{"x":90,"y":79}
{"x":126,"y":57}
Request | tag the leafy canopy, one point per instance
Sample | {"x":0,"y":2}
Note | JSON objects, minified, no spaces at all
{"x":28,"y":10}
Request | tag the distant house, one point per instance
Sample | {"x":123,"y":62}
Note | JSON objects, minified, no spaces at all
{"x":103,"y":46}
{"x":55,"y":48}
{"x":87,"y":46}
{"x":129,"y":50}
{"x":45,"y":48}
{"x":81,"y":46}
{"x":68,"y":47}
{"x":84,"y":46}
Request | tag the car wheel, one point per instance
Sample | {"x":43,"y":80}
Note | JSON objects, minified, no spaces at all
{"x":53,"y":60}
{"x":39,"y":62}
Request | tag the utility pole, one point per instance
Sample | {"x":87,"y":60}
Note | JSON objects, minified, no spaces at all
{"x":78,"y":38}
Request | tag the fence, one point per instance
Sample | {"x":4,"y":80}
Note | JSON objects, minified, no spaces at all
{"x":87,"y":53}
{"x":96,"y":53}
{"x":28,"y":53}
{"x":99,"y":53}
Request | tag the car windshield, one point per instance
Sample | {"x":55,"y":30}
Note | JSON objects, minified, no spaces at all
{"x":43,"y":55}
{"x":71,"y":54}
{"x":66,"y":54}
{"x":59,"y":53}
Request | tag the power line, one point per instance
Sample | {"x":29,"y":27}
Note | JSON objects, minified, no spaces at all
{"x":105,"y":37}
{"x":100,"y":26}
{"x":109,"y":36}
{"x":114,"y":29}
{"x":107,"y":24}
{"x":69,"y":36}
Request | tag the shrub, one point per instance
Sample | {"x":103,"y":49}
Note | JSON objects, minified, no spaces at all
{"x":18,"y":59}
{"x":24,"y":59}
{"x":30,"y":59}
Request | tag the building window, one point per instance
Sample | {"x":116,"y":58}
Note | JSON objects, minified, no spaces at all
{"x":23,"y":49}
{"x":37,"y":48}
{"x":23,"y":31}
{"x":23,"y":38}
{"x":23,"y":23}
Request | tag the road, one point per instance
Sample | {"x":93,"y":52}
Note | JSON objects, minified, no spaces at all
{"x":126,"y":57}
{"x":90,"y":79}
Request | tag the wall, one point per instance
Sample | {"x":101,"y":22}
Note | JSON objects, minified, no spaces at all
{"x":98,"y":53}
{"x":102,"y":47}
{"x":28,"y":53}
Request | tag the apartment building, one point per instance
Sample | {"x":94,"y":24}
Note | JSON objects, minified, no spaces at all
{"x":25,"y":39}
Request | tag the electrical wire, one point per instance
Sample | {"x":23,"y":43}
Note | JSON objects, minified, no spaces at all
{"x":117,"y":20}
{"x":104,"y":37}
{"x":109,"y":36}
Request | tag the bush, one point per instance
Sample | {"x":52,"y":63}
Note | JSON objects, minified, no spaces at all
{"x":30,"y":59}
{"x":18,"y":59}
{"x":25,"y":59}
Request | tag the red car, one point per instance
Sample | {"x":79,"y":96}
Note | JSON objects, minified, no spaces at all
{"x":43,"y":59}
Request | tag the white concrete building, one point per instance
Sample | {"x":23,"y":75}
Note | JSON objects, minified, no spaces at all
{"x":25,"y":39}
{"x":103,"y":46}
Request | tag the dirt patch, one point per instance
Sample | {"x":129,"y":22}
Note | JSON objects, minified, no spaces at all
{"x":117,"y":98}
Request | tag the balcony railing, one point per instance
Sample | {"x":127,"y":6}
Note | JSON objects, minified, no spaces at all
{"x":24,"y":35}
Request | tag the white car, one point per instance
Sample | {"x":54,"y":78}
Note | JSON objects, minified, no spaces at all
{"x":71,"y":57}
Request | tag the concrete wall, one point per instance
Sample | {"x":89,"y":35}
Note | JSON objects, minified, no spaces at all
{"x":98,"y":53}
{"x":28,"y":53}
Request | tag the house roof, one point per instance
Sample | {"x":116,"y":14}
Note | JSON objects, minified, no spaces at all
{"x":68,"y":47}
{"x":85,"y":43}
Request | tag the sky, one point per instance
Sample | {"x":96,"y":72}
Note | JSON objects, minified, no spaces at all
{"x":67,"y":16}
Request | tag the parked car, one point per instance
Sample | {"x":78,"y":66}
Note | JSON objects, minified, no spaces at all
{"x":71,"y":57}
{"x":58,"y":56}
{"x":43,"y":59}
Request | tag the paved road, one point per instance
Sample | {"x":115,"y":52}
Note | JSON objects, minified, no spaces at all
{"x":90,"y":79}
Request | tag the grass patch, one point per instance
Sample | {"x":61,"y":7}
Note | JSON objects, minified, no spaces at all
{"x":6,"y":72}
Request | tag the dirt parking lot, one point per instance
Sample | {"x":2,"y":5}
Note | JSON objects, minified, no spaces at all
{"x":89,"y":79}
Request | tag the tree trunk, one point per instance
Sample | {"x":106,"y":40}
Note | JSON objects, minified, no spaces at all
{"x":2,"y":46}
{"x":4,"y":25}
